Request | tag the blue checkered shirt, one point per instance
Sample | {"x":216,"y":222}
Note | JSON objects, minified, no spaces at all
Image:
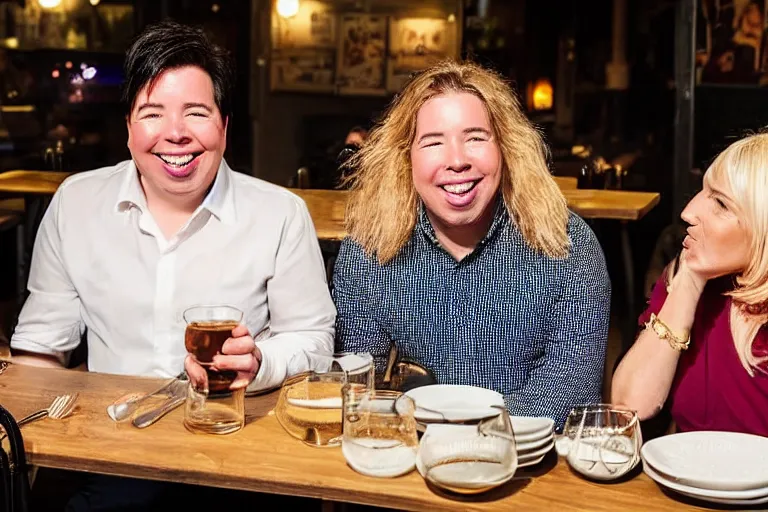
{"x":505,"y":317}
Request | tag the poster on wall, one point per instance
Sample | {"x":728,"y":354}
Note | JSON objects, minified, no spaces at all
{"x":304,"y":49}
{"x":732,"y":42}
{"x":362,"y":53}
{"x":415,"y":44}
{"x":303,"y":71}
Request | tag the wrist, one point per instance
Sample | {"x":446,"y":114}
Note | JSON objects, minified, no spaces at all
{"x":687,"y":285}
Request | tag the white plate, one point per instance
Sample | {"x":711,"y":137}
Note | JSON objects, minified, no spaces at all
{"x":534,"y":445}
{"x":456,"y":402}
{"x":531,"y":426}
{"x":703,"y":493}
{"x":535,"y":436}
{"x":724,"y":461}
{"x":537,"y":454}
{"x":532,"y":462}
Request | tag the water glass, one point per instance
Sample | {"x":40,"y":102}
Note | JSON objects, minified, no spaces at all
{"x":468,"y":459}
{"x":309,"y":407}
{"x":211,"y":407}
{"x":357,"y":367}
{"x":603,"y":441}
{"x":379,"y":433}
{"x":310,"y":404}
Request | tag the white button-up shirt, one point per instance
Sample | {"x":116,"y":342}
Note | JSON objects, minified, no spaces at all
{"x":101,"y":264}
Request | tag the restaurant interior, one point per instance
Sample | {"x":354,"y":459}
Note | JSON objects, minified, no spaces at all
{"x":630,"y":95}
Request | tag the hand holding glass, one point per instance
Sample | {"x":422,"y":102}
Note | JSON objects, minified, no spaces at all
{"x":211,"y":406}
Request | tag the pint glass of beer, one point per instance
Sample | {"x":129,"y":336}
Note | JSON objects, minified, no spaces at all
{"x":211,"y":407}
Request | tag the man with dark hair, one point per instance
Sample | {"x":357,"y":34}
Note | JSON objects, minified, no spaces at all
{"x":122,"y":251}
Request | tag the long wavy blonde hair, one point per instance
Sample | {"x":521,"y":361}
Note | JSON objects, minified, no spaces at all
{"x":743,"y":166}
{"x":383,"y":203}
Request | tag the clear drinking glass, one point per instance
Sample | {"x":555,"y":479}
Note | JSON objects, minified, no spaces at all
{"x":603,"y":441}
{"x":469,"y":459}
{"x":357,"y":366}
{"x":211,"y":407}
{"x":310,"y":403}
{"x":379,"y":436}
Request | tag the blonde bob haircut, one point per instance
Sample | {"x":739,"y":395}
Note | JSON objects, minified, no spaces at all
{"x":383,"y":203}
{"x":743,"y":166}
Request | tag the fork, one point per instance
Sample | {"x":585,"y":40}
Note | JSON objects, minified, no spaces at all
{"x":61,"y":407}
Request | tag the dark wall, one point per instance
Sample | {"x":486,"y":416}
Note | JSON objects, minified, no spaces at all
{"x":230,"y":27}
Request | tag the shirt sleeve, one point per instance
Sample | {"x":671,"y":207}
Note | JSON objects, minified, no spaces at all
{"x":50,"y":322}
{"x":570,"y":372}
{"x":301,"y":312}
{"x":356,"y":327}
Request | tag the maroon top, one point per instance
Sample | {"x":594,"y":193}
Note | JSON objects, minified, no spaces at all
{"x":711,"y":389}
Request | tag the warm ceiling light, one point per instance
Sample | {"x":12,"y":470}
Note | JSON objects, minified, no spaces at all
{"x":287,"y":8}
{"x":49,"y":4}
{"x":95,"y":2}
{"x":540,"y":95}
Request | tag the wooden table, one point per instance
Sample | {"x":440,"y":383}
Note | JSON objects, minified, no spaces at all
{"x":326,"y":207}
{"x":263,"y":458}
{"x":32,"y":182}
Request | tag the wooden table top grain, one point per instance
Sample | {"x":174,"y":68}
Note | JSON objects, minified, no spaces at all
{"x":263,"y":457}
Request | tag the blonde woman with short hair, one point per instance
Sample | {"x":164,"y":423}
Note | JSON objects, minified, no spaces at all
{"x":704,"y":349}
{"x":462,"y":252}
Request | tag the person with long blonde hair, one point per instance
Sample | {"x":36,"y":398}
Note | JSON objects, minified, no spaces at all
{"x":704,"y":349}
{"x":462,"y":253}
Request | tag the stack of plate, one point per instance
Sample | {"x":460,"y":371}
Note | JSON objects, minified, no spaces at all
{"x":719,"y":467}
{"x":534,"y":438}
{"x":446,"y":403}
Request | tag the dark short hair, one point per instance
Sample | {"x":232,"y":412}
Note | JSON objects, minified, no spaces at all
{"x":168,"y":45}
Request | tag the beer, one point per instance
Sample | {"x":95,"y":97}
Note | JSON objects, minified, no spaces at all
{"x":204,"y":340}
{"x":309,"y":408}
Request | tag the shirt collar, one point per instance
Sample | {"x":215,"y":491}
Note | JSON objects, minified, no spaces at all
{"x":220,"y":200}
{"x":500,"y":218}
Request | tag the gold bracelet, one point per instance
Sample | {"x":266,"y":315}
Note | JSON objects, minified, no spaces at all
{"x":663,"y":331}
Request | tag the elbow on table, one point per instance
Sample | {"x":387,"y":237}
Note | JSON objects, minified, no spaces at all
{"x":35,"y":359}
{"x":645,"y":405}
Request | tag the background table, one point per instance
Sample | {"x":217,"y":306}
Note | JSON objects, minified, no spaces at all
{"x":327,"y":209}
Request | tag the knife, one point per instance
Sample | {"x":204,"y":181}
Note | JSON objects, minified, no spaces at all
{"x":148,"y":418}
{"x":122,"y":410}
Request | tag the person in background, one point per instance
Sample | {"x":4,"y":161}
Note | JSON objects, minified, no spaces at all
{"x":122,"y":251}
{"x":462,"y":252}
{"x":703,"y":352}
{"x":356,"y":136}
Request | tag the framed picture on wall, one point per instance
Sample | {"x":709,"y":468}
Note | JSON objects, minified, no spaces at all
{"x":416,"y":44}
{"x":361,"y":60}
{"x":306,"y":70}
{"x":304,"y":46}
